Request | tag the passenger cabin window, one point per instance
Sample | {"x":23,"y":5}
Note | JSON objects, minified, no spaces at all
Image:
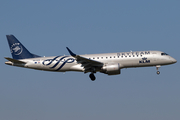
{"x":164,"y":54}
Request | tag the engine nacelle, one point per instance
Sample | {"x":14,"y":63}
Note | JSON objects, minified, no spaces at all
{"x":111,"y":69}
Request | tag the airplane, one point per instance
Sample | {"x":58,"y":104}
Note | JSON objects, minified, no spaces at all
{"x":107,"y":63}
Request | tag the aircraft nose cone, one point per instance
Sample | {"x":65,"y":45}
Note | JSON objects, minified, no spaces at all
{"x":174,"y":60}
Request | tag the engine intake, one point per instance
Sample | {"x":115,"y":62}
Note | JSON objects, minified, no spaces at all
{"x":111,"y":69}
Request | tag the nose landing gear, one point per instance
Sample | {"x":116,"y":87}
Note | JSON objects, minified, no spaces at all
{"x":157,"y":67}
{"x":158,"y":72}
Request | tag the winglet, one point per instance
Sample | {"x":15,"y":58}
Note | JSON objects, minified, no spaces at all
{"x":71,"y":53}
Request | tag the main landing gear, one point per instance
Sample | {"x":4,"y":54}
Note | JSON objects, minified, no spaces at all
{"x":93,"y":70}
{"x":92,"y":76}
{"x":157,"y":67}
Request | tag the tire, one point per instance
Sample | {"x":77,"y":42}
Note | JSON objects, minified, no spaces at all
{"x":92,"y":76}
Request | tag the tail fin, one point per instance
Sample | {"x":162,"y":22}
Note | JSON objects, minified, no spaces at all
{"x":18,"y":51}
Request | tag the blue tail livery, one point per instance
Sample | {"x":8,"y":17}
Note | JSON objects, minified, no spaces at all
{"x":18,"y":51}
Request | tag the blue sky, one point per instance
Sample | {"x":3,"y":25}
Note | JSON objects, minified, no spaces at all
{"x":46,"y":28}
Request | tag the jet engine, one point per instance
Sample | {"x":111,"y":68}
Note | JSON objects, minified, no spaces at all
{"x":111,"y":69}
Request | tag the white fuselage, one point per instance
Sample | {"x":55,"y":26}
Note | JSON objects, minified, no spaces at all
{"x":124,"y":59}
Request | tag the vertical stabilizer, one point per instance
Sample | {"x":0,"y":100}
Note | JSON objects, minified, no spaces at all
{"x":18,"y":51}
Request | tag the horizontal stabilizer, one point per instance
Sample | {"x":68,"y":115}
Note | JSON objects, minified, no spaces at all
{"x":14,"y":61}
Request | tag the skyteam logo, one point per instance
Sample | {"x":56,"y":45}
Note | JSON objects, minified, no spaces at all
{"x":144,"y":60}
{"x":16,"y":49}
{"x":58,"y":62}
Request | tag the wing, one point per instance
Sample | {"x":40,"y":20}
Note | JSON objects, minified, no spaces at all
{"x":87,"y":63}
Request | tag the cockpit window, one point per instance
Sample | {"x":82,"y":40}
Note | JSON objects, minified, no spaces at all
{"x":164,"y":54}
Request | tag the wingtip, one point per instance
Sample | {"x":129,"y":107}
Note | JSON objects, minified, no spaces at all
{"x":67,"y":48}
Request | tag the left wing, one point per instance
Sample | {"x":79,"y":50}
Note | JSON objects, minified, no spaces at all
{"x":87,"y":63}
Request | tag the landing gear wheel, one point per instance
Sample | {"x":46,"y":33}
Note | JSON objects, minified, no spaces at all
{"x":157,"y":68}
{"x":92,"y":76}
{"x":158,"y":72}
